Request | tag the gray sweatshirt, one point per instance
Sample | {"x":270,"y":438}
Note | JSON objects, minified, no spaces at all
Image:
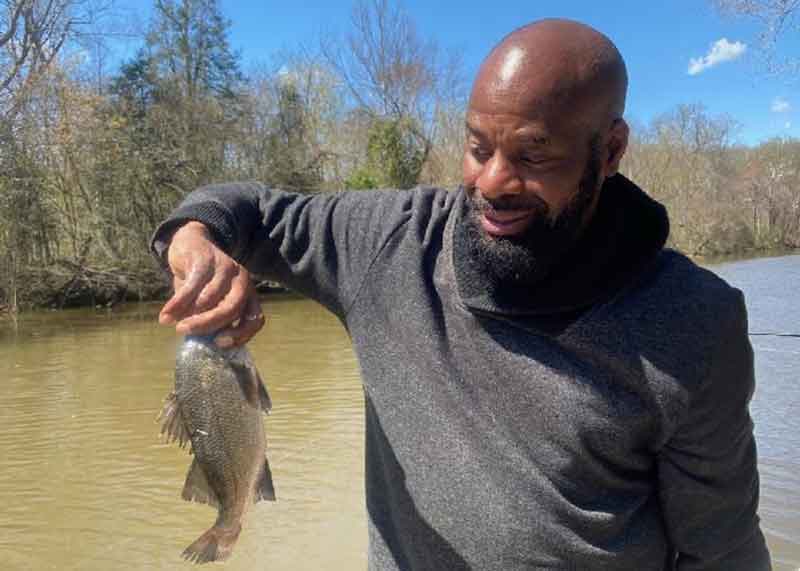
{"x":598,"y":421}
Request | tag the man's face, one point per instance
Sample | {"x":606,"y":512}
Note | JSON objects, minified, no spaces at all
{"x":531,"y":186}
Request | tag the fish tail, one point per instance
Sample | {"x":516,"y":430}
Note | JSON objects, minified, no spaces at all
{"x":216,"y":544}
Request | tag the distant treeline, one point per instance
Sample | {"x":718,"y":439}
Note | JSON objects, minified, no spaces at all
{"x":90,"y":162}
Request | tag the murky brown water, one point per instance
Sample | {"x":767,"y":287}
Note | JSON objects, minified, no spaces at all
{"x":86,"y":484}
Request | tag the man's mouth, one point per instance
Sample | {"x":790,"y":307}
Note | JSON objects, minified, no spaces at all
{"x":506,"y":222}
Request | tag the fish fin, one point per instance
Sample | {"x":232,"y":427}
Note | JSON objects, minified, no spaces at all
{"x":265,"y":490}
{"x":263,"y":395}
{"x":172,"y":426}
{"x":216,"y":544}
{"x":196,"y":488}
{"x":253,"y":385}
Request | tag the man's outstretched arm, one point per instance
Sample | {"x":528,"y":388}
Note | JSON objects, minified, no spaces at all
{"x":320,"y":245}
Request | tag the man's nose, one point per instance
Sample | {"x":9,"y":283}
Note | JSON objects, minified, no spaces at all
{"x":498,"y":178}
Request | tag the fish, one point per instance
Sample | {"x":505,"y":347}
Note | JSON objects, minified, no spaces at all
{"x":217,"y":406}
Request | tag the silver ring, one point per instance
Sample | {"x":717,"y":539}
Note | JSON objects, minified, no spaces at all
{"x":253,"y":317}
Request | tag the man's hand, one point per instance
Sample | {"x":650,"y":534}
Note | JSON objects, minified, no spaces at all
{"x":212,"y":291}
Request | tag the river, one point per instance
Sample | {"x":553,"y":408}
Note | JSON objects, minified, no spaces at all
{"x":86,"y":484}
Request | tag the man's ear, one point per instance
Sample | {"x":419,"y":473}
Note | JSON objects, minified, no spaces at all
{"x":616,"y":145}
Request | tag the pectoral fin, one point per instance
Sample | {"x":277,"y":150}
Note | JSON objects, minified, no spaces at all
{"x":172,"y":426}
{"x":196,"y":488}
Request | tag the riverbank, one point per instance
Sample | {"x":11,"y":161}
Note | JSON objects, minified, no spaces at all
{"x":741,"y":256}
{"x":66,"y":284}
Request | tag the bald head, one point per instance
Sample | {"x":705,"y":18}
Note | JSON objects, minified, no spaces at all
{"x":553,"y":65}
{"x":545,"y":128}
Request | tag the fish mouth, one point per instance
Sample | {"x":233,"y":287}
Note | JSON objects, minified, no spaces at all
{"x":196,"y":346}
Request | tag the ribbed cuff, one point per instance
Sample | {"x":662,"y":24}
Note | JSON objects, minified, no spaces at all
{"x":214,"y":216}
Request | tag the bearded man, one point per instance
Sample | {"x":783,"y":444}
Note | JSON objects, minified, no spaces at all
{"x":546,"y":386}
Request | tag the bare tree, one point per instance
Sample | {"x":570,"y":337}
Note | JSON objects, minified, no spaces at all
{"x":288,"y":125}
{"x":444,"y":162}
{"x":770,"y":183}
{"x":778,"y":18}
{"x":399,"y":79}
{"x":685,"y":159}
{"x":32,"y":33}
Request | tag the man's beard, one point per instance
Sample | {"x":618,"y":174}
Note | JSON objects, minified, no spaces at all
{"x":526,"y":259}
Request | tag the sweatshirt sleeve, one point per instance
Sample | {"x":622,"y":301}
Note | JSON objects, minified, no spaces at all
{"x":708,"y":476}
{"x":320,"y":245}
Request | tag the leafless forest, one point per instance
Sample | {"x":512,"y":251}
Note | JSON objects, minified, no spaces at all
{"x":93,"y":157}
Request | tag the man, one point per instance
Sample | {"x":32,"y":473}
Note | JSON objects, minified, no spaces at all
{"x":546,"y":387}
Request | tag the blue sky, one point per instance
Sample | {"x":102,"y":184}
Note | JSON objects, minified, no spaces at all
{"x":659,"y":40}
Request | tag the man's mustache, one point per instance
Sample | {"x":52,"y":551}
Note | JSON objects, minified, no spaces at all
{"x":504,"y":203}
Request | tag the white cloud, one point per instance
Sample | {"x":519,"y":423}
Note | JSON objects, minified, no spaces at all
{"x":780,"y":105}
{"x":720,"y":52}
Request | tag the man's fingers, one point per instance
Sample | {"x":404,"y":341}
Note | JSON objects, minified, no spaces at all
{"x":183,"y":299}
{"x":210,"y":321}
{"x":165,"y":316}
{"x":225,"y":313}
{"x":250,"y":323}
{"x":216,"y":289}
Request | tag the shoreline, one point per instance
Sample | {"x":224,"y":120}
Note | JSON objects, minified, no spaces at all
{"x":717,"y":259}
{"x":100,"y":300}
{"x":125,"y":305}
